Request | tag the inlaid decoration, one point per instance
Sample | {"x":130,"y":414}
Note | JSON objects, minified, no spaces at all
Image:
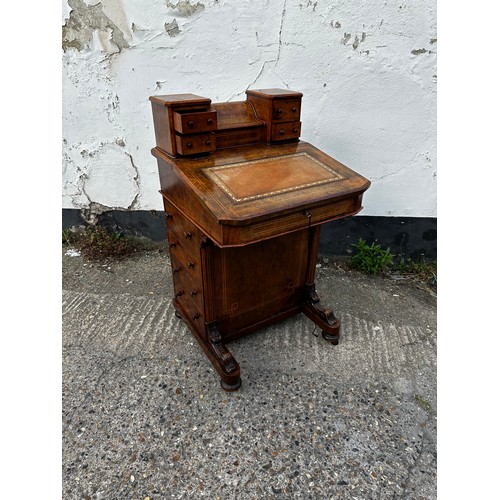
{"x":255,"y":179}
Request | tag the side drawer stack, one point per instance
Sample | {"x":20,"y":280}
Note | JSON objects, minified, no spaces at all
{"x":184,"y":242}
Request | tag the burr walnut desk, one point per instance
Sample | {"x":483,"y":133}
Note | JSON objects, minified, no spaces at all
{"x":244,"y":201}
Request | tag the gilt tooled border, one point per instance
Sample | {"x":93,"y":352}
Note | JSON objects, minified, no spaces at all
{"x":212,"y":174}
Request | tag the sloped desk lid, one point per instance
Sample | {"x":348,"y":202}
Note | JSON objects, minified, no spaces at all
{"x":243,"y":185}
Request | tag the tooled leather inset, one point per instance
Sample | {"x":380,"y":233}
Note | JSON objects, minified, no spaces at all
{"x":307,"y":172}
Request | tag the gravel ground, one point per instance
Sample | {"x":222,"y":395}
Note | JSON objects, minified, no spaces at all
{"x":144,"y":415}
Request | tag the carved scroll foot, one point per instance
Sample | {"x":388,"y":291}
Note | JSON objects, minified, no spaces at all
{"x":321,"y":316}
{"x":227,"y":366}
{"x":222,"y":360}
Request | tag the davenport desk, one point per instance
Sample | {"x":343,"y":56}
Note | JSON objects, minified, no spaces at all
{"x":244,"y":201}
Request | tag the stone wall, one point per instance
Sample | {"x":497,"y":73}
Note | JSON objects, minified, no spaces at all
{"x":367,"y":70}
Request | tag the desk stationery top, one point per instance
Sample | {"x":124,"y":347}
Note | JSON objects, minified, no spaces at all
{"x":240,"y":171}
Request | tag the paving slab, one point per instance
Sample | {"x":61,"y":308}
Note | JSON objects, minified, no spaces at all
{"x":144,"y":414}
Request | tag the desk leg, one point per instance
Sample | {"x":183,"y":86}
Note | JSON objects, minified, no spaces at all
{"x":313,"y":309}
{"x":222,"y":360}
{"x":225,"y":363}
{"x":216,"y":351}
{"x":321,"y":316}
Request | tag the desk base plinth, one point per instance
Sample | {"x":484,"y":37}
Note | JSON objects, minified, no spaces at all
{"x":222,"y":359}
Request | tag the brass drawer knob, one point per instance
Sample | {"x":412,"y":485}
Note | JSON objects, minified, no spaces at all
{"x":177,"y":269}
{"x":195,"y":316}
{"x":173,"y":244}
{"x":295,"y":130}
{"x":194,"y":293}
{"x":209,"y":121}
{"x":209,"y":142}
{"x":169,"y":215}
{"x":282,"y":132}
{"x":179,"y":293}
{"x":280,"y":111}
{"x":190,"y":265}
{"x":189,"y":144}
{"x":294,"y":109}
{"x":188,"y":234}
{"x":191,"y":123}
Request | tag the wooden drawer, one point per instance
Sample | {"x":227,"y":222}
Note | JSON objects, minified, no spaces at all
{"x":189,"y":123}
{"x":190,"y":262}
{"x":184,"y":285}
{"x":193,"y":314}
{"x":182,"y":231}
{"x":286,"y":110}
{"x":193,"y":144}
{"x":241,"y":235}
{"x":285,"y":131}
{"x":182,"y":242}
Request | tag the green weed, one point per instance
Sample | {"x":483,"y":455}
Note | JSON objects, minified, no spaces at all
{"x":424,"y":270}
{"x":372,"y":258}
{"x":98,"y":243}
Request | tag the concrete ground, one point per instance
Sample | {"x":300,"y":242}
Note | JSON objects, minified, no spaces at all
{"x":144,"y":415}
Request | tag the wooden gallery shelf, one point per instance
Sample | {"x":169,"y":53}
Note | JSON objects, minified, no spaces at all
{"x":244,"y":201}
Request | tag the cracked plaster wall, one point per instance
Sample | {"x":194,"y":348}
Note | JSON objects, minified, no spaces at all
{"x":367,"y":71}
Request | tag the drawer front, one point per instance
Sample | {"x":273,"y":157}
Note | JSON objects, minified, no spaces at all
{"x":193,"y":144}
{"x":182,"y":231}
{"x":194,"y":314}
{"x":188,"y":262}
{"x":285,"y":131}
{"x":292,"y":222}
{"x":286,"y":110}
{"x":184,"y":287}
{"x":179,"y":243}
{"x":189,"y":123}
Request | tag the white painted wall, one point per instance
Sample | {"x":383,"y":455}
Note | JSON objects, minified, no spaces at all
{"x":367,"y":70}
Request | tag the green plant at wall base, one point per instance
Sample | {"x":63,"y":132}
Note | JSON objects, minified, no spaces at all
{"x":424,"y":270}
{"x":99,"y":243}
{"x":371,"y":258}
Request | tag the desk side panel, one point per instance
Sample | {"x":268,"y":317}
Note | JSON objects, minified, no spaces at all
{"x":175,"y":190}
{"x":260,"y":281}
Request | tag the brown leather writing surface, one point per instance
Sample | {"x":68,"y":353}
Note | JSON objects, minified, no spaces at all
{"x":245,"y":181}
{"x":263,"y":182}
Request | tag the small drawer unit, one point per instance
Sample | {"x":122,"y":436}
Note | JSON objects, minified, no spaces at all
{"x":280,"y":109}
{"x":185,"y":124}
